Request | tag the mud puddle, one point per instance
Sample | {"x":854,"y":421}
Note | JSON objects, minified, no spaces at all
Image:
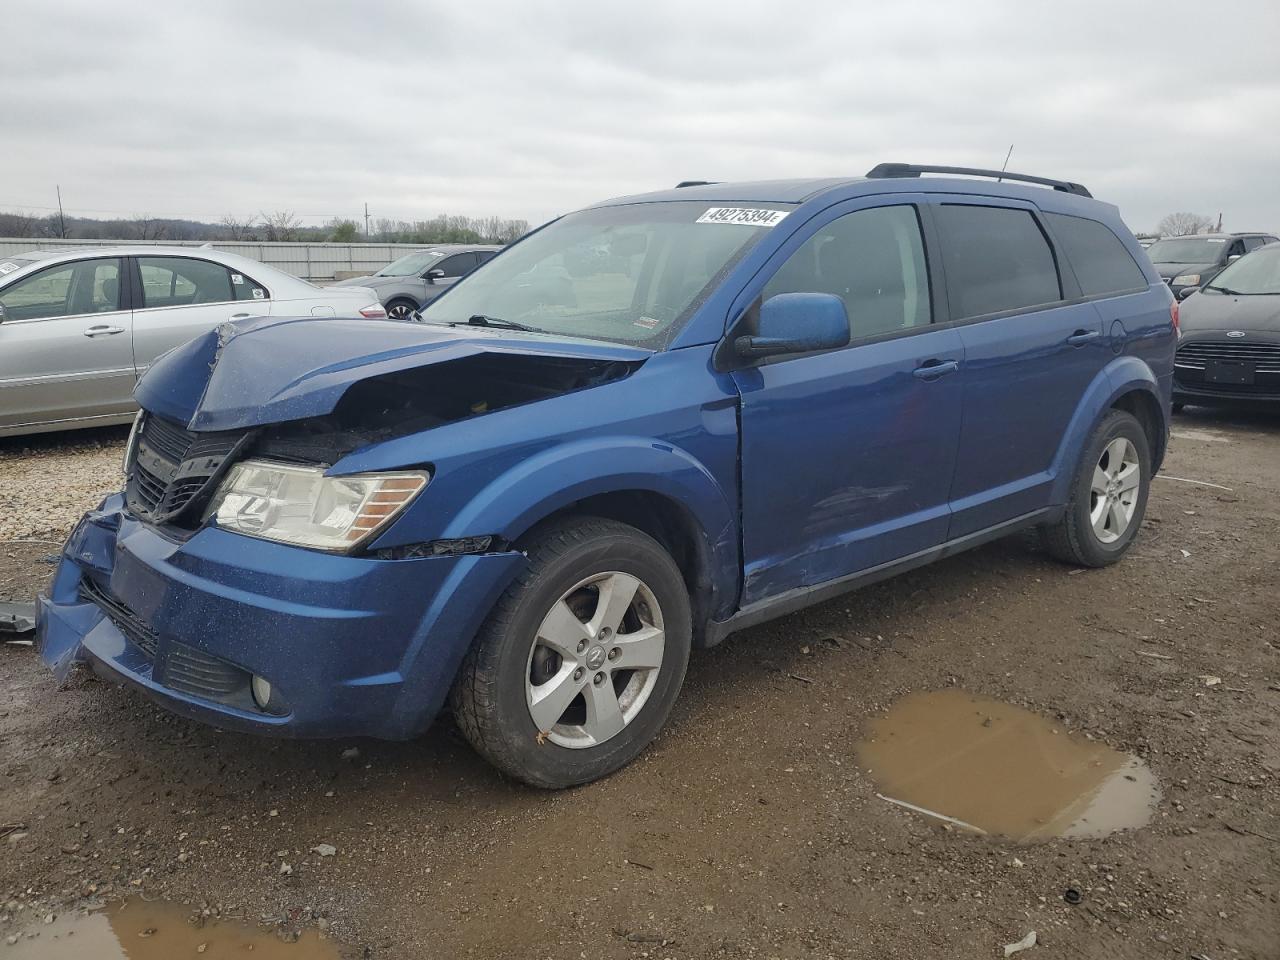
{"x":137,"y":930}
{"x":1003,"y":770}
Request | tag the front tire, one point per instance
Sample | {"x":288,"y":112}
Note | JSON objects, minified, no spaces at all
{"x":576,"y":669}
{"x":401,"y":309}
{"x":1108,"y":495}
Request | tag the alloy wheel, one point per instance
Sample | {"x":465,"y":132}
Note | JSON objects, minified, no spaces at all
{"x":595,"y":660}
{"x":1113,"y":493}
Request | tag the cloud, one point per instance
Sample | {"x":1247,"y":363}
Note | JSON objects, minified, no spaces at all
{"x":527,"y":109}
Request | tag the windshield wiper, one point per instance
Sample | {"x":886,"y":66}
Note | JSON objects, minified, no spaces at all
{"x":1226,"y":290}
{"x":482,"y":320}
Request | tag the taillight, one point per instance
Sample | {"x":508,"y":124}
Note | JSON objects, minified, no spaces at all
{"x":373,"y":311}
{"x":1173,"y":317}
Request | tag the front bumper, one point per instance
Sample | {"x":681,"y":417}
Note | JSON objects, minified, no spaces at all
{"x":352,"y":646}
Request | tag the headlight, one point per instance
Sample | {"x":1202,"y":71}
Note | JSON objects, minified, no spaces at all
{"x":300,"y":505}
{"x":1187,"y":279}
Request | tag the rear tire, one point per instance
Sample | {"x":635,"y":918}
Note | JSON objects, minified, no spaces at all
{"x":576,"y":668}
{"x":1108,"y":495}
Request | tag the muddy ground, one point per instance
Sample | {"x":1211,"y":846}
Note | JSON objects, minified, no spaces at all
{"x":748,"y":830}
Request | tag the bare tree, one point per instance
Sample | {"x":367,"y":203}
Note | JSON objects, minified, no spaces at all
{"x":149,"y":228}
{"x":1183,"y":224}
{"x":281,"y":226}
{"x":18,"y":225}
{"x":236,"y":228}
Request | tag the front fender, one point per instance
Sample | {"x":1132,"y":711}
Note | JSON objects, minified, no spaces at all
{"x":1121,"y":376}
{"x":535,"y":488}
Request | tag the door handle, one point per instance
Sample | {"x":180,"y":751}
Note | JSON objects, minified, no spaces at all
{"x":102,"y":330}
{"x":934,"y":369}
{"x":1081,"y":337}
{"x":239,"y":316}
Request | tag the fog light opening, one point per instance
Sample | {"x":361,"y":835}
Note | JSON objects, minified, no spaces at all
{"x":261,"y":690}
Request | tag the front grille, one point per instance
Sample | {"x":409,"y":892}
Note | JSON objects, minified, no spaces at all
{"x":1197,"y":354}
{"x":135,"y":629}
{"x":171,"y":469}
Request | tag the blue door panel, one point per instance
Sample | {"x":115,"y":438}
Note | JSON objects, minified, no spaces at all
{"x":1023,"y":378}
{"x":846,"y":460}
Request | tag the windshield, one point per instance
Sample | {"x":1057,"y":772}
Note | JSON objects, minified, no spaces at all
{"x":1186,"y":250}
{"x":1258,"y":273}
{"x":410,"y":265}
{"x":630,"y":274}
{"x":10,"y":264}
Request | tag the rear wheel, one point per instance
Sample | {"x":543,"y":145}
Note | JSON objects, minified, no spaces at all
{"x":1108,"y":495}
{"x":401,"y":309}
{"x":577,"y":667}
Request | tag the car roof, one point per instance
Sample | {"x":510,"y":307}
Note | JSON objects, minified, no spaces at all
{"x":751,"y":191}
{"x":270,"y":276}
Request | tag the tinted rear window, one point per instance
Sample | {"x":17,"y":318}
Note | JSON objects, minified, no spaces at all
{"x":1100,"y":260}
{"x":997,"y":259}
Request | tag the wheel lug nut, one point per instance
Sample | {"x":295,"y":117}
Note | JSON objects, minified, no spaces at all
{"x":582,"y":645}
{"x":605,"y":633}
{"x":577,"y":674}
{"x":599,"y":679}
{"x":613,"y":654}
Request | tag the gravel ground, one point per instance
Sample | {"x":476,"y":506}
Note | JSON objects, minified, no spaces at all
{"x":749,"y":829}
{"x":47,"y":482}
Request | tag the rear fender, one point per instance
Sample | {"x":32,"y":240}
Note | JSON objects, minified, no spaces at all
{"x":1121,"y":376}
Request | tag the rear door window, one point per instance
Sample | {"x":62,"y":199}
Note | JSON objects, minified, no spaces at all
{"x":185,"y":281}
{"x":997,"y":259}
{"x":1101,"y":262}
{"x":873,"y":260}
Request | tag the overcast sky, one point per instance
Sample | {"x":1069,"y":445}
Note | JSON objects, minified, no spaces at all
{"x":528,"y":109}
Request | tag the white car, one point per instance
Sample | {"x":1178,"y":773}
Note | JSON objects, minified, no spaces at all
{"x":79,"y":327}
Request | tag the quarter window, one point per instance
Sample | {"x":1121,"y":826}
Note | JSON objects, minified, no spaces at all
{"x":71,"y":289}
{"x":873,"y":260}
{"x":1101,"y":262}
{"x":997,"y":259}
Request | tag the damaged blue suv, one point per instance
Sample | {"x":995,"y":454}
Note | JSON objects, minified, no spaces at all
{"x":647,"y":425}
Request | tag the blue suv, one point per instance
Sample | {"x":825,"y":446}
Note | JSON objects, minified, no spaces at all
{"x":646,"y":425}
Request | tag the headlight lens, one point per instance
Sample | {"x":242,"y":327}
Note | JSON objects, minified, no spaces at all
{"x":1187,"y":279}
{"x":301,"y":506}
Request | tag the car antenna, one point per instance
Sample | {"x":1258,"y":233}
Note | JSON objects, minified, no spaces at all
{"x":1005,"y":166}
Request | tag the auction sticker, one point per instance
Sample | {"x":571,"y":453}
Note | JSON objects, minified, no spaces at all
{"x":746,"y":216}
{"x":7,"y":267}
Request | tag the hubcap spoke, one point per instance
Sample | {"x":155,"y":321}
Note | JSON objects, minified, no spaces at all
{"x":616,"y":593}
{"x":1129,"y":476}
{"x":550,"y":700}
{"x":562,"y":631}
{"x":1119,"y":518}
{"x":1100,"y":480}
{"x":641,"y":650}
{"x":1116,"y":450}
{"x":1098,"y":518}
{"x":604,"y":713}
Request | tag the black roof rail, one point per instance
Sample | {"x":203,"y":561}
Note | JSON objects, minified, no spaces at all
{"x":886,"y":171}
{"x":695,"y":183}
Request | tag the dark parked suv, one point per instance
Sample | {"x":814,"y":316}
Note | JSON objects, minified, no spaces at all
{"x":734,"y":401}
{"x":1187,"y":263}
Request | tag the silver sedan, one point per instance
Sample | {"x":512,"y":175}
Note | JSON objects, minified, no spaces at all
{"x":79,"y":327}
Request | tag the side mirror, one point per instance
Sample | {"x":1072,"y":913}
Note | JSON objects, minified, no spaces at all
{"x":1187,"y":291}
{"x":434,"y":274}
{"x":797,"y":323}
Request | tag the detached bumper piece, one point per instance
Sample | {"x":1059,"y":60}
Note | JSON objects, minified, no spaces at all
{"x":181,"y":667}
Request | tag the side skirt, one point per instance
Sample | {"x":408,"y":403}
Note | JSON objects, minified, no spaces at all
{"x":793,"y":600}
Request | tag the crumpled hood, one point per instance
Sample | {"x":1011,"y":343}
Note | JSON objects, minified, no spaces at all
{"x":271,"y":369}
